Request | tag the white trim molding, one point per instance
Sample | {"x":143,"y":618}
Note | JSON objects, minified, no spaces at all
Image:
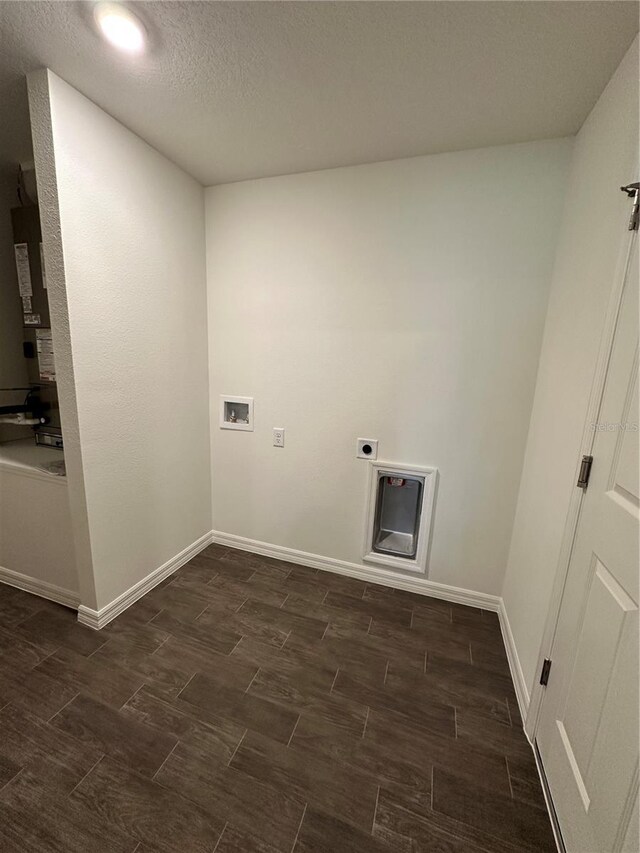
{"x":515,"y":667}
{"x":372,"y":574}
{"x":97,"y":619}
{"x":50,"y":591}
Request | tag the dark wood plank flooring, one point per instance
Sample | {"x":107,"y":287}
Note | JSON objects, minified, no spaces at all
{"x":247,"y":705}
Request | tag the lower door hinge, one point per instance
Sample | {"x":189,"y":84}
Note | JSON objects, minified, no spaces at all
{"x":585,"y":472}
{"x":632,"y":191}
{"x":546,"y":669}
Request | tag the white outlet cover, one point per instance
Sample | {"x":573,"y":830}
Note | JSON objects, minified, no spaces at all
{"x":367,"y":448}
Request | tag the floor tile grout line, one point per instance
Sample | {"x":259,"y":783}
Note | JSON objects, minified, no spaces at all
{"x":284,"y":602}
{"x":46,"y":657}
{"x":168,"y":637}
{"x":425,"y":661}
{"x":242,"y":636}
{"x":133,"y":695}
{"x":226,"y":824}
{"x":366,"y":720}
{"x":293,"y":731}
{"x":285,"y":640}
{"x":15,"y":776}
{"x":470,"y":653}
{"x":233,"y":754}
{"x":201,"y":613}
{"x":186,"y":685}
{"x":295,"y":840}
{"x":91,"y":654}
{"x":334,"y":681}
{"x":386,"y":672}
{"x":246,"y":689}
{"x":375,"y":810}
{"x":91,"y":769}
{"x":60,"y":710}
{"x":166,"y":758}
{"x":506,"y":699}
{"x":455,"y":720}
{"x":449,"y":833}
{"x":506,"y":761}
{"x":432,"y":774}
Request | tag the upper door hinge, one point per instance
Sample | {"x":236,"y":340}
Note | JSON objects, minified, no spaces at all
{"x":585,"y":472}
{"x":632,"y":191}
{"x":544,"y":675}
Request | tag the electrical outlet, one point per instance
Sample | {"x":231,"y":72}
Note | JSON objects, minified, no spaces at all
{"x":278,"y":437}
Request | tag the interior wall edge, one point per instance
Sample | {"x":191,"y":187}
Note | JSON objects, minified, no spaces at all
{"x":39,"y":95}
{"x":97,"y":619}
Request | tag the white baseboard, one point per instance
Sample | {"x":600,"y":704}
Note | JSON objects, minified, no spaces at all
{"x":419,"y":585}
{"x":517,"y":675}
{"x":37,"y":587}
{"x":97,"y":619}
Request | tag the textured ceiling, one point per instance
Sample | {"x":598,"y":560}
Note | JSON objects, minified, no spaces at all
{"x":235,"y":90}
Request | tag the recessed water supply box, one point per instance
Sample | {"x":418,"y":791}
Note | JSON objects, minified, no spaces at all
{"x":399,"y":516}
{"x":236,"y":412}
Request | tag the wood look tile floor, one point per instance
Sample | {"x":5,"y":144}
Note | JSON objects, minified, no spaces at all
{"x":247,"y":705}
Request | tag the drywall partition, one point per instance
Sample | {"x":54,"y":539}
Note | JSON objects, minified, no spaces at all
{"x":131,"y":231}
{"x":592,"y":235}
{"x":36,"y":540}
{"x":42,"y":137}
{"x":401,"y":301}
{"x":13,"y":367}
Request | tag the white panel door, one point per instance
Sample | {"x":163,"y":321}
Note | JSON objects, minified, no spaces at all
{"x":588,"y":730}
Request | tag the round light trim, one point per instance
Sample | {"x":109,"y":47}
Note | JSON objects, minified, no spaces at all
{"x":120,"y":27}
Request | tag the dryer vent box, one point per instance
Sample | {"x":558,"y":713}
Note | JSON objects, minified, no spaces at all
{"x":399,"y":516}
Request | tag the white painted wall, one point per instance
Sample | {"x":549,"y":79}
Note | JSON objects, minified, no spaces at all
{"x":605,"y":157}
{"x":36,"y":540}
{"x":402,"y":301}
{"x":129,"y":321}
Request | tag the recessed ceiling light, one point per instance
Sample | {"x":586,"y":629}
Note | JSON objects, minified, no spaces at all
{"x":120,"y":27}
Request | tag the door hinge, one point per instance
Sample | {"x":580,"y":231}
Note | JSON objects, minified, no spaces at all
{"x":544,"y":675}
{"x":585,"y":472}
{"x":632,"y":191}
